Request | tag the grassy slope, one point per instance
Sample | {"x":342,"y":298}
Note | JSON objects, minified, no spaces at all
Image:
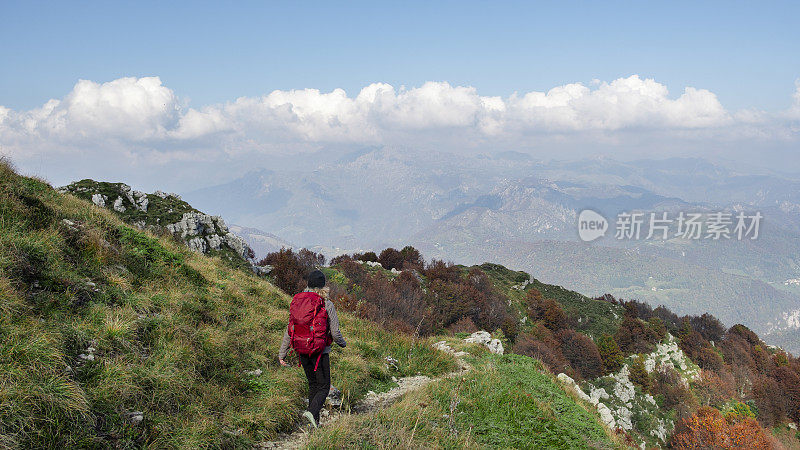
{"x":160,"y":212}
{"x":594,"y":317}
{"x":506,"y":401}
{"x":171,"y":334}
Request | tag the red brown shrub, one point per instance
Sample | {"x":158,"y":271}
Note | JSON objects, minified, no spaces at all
{"x":551,"y":357}
{"x":581,"y":353}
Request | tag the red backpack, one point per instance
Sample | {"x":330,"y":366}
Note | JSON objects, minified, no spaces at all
{"x":308,"y":325}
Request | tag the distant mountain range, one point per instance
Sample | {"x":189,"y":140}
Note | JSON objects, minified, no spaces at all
{"x":261,"y":242}
{"x":521,"y":212}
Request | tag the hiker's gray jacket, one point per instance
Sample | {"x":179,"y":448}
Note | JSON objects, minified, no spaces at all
{"x":333,"y":329}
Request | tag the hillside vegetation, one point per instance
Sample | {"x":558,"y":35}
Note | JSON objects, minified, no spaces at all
{"x":646,"y":372}
{"x":114,"y":337}
{"x":166,"y":214}
{"x":506,"y":401}
{"x":119,"y":336}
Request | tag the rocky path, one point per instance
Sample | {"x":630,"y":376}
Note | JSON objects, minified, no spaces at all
{"x":372,"y":402}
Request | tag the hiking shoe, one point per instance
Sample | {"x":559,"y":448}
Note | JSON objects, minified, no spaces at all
{"x":310,"y":418}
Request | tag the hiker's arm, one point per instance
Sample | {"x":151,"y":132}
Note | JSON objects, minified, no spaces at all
{"x":284,"y":346}
{"x":333,"y":324}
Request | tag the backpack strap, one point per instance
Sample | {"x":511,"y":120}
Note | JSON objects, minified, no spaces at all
{"x":318,"y":358}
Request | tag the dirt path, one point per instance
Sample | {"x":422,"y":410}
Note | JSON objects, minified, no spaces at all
{"x":372,"y":402}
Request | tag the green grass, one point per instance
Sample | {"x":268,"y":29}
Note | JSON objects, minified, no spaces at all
{"x":505,"y":401}
{"x":172,"y":334}
{"x":160,"y":211}
{"x":593,"y":317}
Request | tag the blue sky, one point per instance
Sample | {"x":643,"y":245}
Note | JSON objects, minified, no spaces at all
{"x":151,"y":88}
{"x":745,"y":52}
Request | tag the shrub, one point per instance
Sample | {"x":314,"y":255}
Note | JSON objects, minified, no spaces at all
{"x":548,"y":353}
{"x":610,"y":353}
{"x":668,"y":318}
{"x":711,"y":390}
{"x":667,"y":385}
{"x":354,"y":272}
{"x":367,"y":257}
{"x":738,"y":411}
{"x":582,"y":353}
{"x":708,"y":429}
{"x":633,"y":336}
{"x":336,"y":260}
{"x":463,"y":325}
{"x":391,"y":259}
{"x":657,"y":326}
{"x":546,"y":310}
{"x":489,"y":307}
{"x":440,"y":270}
{"x":638,"y":374}
{"x":290,"y":269}
{"x":638,"y":309}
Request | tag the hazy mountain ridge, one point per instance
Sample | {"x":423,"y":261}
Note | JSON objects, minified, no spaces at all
{"x":465,"y":208}
{"x":260,"y":241}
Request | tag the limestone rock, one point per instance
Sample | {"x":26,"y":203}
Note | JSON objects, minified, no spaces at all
{"x":237,"y":244}
{"x":197,"y":244}
{"x":192,"y":224}
{"x":99,"y":200}
{"x":606,"y":416}
{"x":262,"y":270}
{"x":485,"y":339}
{"x":597,"y":394}
{"x":214,"y":241}
{"x":118,"y":207}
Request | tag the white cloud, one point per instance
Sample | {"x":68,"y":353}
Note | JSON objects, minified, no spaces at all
{"x":127,"y":108}
{"x":622,"y":104}
{"x":133,"y":115}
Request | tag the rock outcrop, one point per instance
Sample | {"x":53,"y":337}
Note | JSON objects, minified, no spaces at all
{"x":485,"y":339}
{"x":617,"y":401}
{"x":162,"y":211}
{"x":204,"y":233}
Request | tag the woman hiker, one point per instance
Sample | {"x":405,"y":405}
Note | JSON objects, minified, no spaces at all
{"x":313,"y":326}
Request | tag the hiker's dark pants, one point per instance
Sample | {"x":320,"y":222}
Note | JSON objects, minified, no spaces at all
{"x":319,"y":381}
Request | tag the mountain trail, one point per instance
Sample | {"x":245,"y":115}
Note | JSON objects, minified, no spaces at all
{"x":372,"y":402}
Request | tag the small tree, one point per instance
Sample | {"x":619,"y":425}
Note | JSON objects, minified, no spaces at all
{"x":638,"y":374}
{"x":391,"y":258}
{"x":548,"y":353}
{"x":336,"y":260}
{"x":666,"y":384}
{"x":412,"y":258}
{"x":290,"y":269}
{"x":708,"y":326}
{"x":367,"y":257}
{"x":440,"y":270}
{"x":610,"y":353}
{"x":633,"y":336}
